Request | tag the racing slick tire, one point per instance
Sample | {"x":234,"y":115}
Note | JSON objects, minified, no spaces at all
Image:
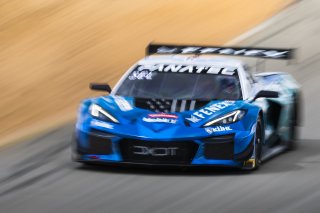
{"x":255,"y":161}
{"x":295,"y":119}
{"x":258,"y":144}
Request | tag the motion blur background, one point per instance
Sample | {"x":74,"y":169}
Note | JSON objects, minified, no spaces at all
{"x":50,"y":50}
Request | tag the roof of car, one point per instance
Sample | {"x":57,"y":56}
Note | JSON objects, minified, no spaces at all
{"x":199,"y":60}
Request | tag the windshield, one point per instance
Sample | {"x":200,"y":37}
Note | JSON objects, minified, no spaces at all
{"x":181,"y":82}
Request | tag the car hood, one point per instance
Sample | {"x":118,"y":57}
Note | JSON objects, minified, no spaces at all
{"x":125,"y":109}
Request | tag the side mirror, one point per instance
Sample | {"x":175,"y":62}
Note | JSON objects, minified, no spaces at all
{"x":100,"y":87}
{"x":266,"y":94}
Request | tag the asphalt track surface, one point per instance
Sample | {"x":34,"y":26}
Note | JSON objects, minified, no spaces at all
{"x":38,"y":176}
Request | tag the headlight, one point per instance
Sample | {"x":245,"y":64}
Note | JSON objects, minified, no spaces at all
{"x":98,"y":112}
{"x":228,"y":118}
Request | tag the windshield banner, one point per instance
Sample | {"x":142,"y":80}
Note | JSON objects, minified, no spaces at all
{"x":144,"y":71}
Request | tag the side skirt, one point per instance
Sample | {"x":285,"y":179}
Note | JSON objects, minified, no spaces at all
{"x":271,"y":153}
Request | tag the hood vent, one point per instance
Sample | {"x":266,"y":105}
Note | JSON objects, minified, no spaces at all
{"x":166,"y":105}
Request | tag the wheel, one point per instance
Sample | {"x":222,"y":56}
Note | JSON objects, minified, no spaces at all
{"x":292,"y":144}
{"x":294,"y":121}
{"x":258,"y":144}
{"x":254,"y":162}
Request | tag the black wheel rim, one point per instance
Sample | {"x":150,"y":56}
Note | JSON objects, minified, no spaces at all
{"x":258,"y":142}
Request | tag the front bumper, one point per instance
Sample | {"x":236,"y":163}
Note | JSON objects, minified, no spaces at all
{"x":101,"y":147}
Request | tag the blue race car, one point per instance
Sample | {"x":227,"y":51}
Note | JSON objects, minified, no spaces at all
{"x":180,"y":106}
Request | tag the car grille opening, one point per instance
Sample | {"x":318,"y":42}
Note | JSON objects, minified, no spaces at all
{"x":157,"y":152}
{"x":96,"y":142}
{"x":219,"y":148}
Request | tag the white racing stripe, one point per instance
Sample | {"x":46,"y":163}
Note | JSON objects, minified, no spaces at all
{"x":174,"y":105}
{"x":183,"y":105}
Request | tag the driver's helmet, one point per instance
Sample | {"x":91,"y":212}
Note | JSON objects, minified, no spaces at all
{"x":228,"y":84}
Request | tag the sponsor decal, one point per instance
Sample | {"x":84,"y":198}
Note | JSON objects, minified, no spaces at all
{"x":163,"y":115}
{"x":140,"y":75}
{"x":209,"y":110}
{"x":264,"y":53}
{"x":101,"y":124}
{"x":176,"y":68}
{"x":155,"y":151}
{"x":193,"y":119}
{"x":123,"y":104}
{"x":211,"y":130}
{"x":161,"y":118}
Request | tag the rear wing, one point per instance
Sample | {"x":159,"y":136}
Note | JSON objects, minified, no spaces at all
{"x":257,"y":52}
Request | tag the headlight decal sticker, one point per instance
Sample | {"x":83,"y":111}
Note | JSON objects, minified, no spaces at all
{"x":228,"y":118}
{"x":99,"y":113}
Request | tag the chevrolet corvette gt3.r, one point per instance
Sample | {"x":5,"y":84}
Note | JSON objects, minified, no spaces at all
{"x":181,"y":106}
